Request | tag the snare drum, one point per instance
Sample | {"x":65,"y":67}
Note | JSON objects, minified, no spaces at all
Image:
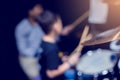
{"x":97,"y":65}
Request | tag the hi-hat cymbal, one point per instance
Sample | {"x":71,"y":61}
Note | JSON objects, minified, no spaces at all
{"x":104,"y":37}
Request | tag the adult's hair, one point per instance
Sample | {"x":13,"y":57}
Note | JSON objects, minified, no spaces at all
{"x":29,"y":5}
{"x":46,"y":21}
{"x":32,"y":3}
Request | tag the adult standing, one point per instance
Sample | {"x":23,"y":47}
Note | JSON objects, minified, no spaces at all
{"x":28,"y":36}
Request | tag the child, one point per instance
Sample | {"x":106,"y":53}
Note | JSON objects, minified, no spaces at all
{"x":52,"y":66}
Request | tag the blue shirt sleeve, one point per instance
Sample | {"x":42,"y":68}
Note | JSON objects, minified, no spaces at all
{"x":27,"y":41}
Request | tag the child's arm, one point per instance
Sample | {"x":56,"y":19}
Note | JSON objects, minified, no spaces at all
{"x":67,"y":29}
{"x":63,"y":67}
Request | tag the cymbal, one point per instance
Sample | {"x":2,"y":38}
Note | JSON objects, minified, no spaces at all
{"x":104,"y":37}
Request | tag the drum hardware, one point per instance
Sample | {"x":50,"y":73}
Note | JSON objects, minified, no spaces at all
{"x":115,"y":46}
{"x":95,"y":77}
{"x":104,"y":37}
{"x":119,"y":66}
{"x":112,"y":73}
{"x":90,"y":53}
{"x":80,"y":75}
{"x":97,"y":64}
{"x":104,"y":72}
{"x":106,"y":79}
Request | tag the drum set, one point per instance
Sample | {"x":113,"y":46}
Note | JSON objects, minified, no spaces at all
{"x":97,"y":65}
{"x":100,"y":64}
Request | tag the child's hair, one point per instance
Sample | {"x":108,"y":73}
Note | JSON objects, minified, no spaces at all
{"x":46,"y":21}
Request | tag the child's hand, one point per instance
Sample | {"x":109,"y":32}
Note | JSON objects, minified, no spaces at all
{"x":64,"y":58}
{"x":67,"y":29}
{"x":74,"y":59}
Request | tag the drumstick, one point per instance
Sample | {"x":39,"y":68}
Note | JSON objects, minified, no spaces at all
{"x":117,"y":34}
{"x":84,"y":34}
{"x":80,"y":19}
{"x":115,"y":37}
{"x":82,"y":40}
{"x":89,"y":37}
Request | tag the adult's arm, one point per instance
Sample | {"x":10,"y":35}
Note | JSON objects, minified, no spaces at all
{"x":24,"y":45}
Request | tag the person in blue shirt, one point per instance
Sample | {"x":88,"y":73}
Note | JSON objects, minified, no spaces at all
{"x":28,"y":34}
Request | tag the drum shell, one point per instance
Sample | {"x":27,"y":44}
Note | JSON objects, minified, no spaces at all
{"x":110,"y":74}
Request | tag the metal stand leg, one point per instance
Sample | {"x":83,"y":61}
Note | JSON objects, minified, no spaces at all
{"x":95,"y":77}
{"x":112,"y":73}
{"x":79,"y":76}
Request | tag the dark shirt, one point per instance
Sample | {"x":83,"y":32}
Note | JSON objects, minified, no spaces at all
{"x":50,"y":60}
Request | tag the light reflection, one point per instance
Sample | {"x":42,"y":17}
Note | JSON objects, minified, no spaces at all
{"x":113,"y":2}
